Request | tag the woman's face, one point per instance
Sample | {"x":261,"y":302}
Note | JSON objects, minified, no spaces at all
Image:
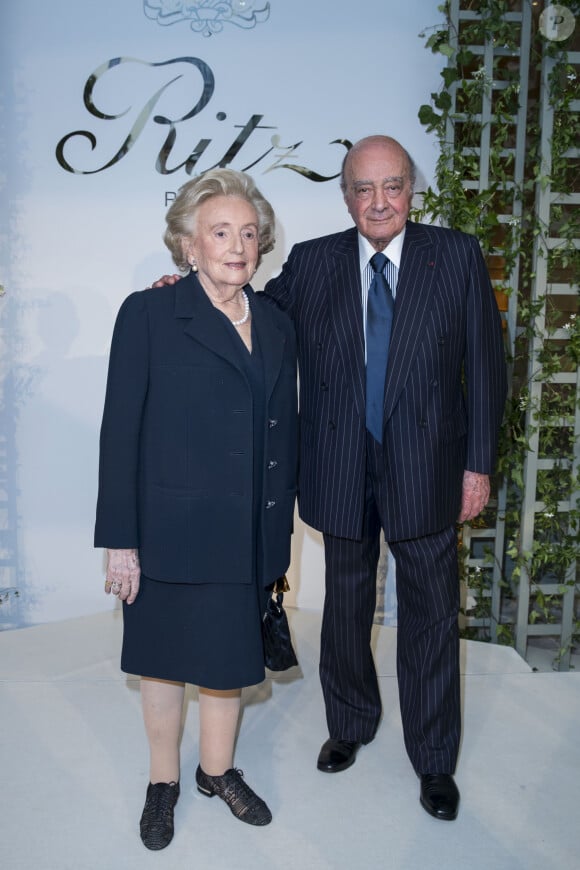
{"x":224,"y":244}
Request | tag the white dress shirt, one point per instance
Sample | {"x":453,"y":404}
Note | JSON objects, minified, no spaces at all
{"x":393,"y":251}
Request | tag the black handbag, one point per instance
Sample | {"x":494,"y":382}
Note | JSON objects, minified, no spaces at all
{"x":279,"y":653}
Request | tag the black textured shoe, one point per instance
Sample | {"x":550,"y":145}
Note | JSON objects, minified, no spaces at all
{"x":439,"y":795}
{"x":337,"y":755}
{"x":242,"y":801}
{"x":157,"y":819}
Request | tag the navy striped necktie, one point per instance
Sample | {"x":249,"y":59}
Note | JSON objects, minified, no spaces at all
{"x":380,"y":307}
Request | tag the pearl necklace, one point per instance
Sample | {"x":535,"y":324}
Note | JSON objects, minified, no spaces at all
{"x":243,"y":319}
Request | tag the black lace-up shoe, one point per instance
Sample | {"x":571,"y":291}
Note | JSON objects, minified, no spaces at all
{"x":242,"y":801}
{"x":157,"y":818}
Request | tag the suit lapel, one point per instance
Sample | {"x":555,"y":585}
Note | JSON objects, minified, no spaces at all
{"x":203,"y":324}
{"x":344,"y":301}
{"x":272,"y":341}
{"x":412,"y":308}
{"x":201,"y":321}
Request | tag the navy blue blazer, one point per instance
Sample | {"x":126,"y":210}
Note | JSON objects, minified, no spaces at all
{"x":444,"y":392}
{"x":176,"y":446}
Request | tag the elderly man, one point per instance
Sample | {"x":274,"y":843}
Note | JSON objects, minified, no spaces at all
{"x":402,"y":388}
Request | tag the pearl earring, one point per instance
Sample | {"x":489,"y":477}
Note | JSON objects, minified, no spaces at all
{"x":193,"y":265}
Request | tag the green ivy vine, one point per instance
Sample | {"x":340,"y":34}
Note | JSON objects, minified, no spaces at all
{"x":513,"y":245}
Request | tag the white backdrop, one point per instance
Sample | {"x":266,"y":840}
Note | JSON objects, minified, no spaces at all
{"x":78,"y":235}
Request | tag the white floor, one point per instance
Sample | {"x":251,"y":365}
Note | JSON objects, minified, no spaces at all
{"x":73,"y":767}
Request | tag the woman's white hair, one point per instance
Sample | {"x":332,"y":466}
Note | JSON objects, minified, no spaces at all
{"x":181,"y":215}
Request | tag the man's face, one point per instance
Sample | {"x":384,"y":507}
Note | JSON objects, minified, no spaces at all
{"x":378,"y":191}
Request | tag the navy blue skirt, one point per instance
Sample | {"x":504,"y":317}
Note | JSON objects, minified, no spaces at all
{"x":205,"y":634}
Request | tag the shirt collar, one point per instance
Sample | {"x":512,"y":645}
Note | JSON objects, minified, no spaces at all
{"x":393,"y":250}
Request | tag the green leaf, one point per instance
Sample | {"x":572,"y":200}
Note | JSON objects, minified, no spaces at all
{"x":443,"y":100}
{"x":449,"y":75}
{"x":446,"y":49}
{"x":427,"y":116}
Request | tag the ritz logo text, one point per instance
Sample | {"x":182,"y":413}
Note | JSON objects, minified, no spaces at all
{"x":259,"y":142}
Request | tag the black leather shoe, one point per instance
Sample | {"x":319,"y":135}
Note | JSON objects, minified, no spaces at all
{"x":439,"y":795}
{"x":337,"y":755}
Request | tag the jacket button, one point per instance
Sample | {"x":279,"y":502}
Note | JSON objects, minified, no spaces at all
{"x":272,"y":463}
{"x":423,"y":423}
{"x":270,"y":504}
{"x":324,"y":386}
{"x":272,"y":423}
{"x":331,"y":424}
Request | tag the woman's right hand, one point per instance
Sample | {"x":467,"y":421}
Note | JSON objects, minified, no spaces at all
{"x":123,"y":574}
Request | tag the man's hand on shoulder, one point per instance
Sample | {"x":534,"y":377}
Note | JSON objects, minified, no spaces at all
{"x":165,"y":281}
{"x":475,"y":496}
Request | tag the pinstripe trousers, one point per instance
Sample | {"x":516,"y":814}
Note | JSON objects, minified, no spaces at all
{"x":427,"y":636}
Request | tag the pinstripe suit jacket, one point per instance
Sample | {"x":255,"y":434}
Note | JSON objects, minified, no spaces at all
{"x":444,"y":392}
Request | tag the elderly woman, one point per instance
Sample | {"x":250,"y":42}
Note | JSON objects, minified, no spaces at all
{"x":197,"y":485}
